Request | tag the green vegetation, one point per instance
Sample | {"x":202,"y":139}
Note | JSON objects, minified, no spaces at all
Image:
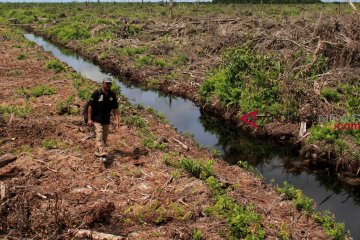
{"x":84,"y":87}
{"x":55,"y":65}
{"x":67,"y":107}
{"x":197,"y":235}
{"x":333,"y":229}
{"x":53,"y":144}
{"x":21,"y":111}
{"x":247,"y":81}
{"x":141,"y":61}
{"x":21,"y":56}
{"x":331,"y":95}
{"x":159,"y":115}
{"x":37,"y":91}
{"x":243,"y":221}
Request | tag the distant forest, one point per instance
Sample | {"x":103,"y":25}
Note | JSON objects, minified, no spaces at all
{"x":267,"y":1}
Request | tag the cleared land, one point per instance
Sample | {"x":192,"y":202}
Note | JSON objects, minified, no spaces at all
{"x":153,"y":188}
{"x":292,"y":63}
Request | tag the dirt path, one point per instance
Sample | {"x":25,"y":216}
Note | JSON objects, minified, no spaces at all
{"x":55,"y":184}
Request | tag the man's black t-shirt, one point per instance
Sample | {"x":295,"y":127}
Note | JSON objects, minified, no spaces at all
{"x":101,"y":105}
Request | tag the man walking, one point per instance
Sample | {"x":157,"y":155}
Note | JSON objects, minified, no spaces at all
{"x":101,"y":103}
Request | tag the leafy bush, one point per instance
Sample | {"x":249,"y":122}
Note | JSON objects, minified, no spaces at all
{"x":72,"y":31}
{"x":323,"y":132}
{"x":300,"y":200}
{"x":196,"y":168}
{"x":22,"y":111}
{"x":52,"y":144}
{"x":67,"y":107}
{"x":247,"y":80}
{"x":141,"y":61}
{"x":55,"y":65}
{"x":37,"y":91}
{"x":331,"y":95}
{"x":21,"y":56}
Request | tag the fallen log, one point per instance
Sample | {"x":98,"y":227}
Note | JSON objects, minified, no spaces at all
{"x":181,"y":144}
{"x":94,"y":235}
{"x":6,"y":159}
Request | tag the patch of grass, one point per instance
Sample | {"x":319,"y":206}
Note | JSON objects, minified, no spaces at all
{"x":53,"y":144}
{"x":160,"y":62}
{"x":130,"y":51}
{"x":141,"y":61}
{"x":247,"y":80}
{"x":23,"y":149}
{"x":67,"y":107}
{"x":197,"y":234}
{"x":21,"y":111}
{"x":37,"y":91}
{"x":152,"y":143}
{"x":55,"y":65}
{"x":73,"y":31}
{"x":180,"y":59}
{"x":159,"y":115}
{"x":196,"y":168}
{"x":84,"y":87}
{"x":243,"y":222}
{"x":331,"y":95}
{"x":248,"y":167}
{"x":15,"y":73}
{"x":134,"y":120}
{"x":323,"y":132}
{"x":333,"y":229}
{"x":21,"y":56}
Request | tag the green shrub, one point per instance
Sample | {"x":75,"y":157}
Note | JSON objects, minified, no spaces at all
{"x":22,"y":111}
{"x":37,"y":91}
{"x":331,"y":95}
{"x":160,"y":63}
{"x":300,"y":200}
{"x":55,"y":65}
{"x":52,"y":144}
{"x":197,"y":235}
{"x":67,"y":107}
{"x":196,"y":168}
{"x":73,"y":31}
{"x":323,"y":132}
{"x":247,"y":80}
{"x":181,"y":59}
{"x":141,"y":61}
{"x":21,"y":56}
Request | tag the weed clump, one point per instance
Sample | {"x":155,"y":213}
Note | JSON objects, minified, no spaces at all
{"x":333,"y":229}
{"x":55,"y":65}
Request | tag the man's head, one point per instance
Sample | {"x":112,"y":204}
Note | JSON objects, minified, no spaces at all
{"x":107,"y":83}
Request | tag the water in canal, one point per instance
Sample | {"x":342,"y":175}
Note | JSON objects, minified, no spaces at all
{"x":272,"y":161}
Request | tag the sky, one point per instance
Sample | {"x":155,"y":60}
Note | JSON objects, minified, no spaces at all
{"x":57,"y":1}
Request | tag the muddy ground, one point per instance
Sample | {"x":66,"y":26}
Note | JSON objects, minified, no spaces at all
{"x":52,"y":188}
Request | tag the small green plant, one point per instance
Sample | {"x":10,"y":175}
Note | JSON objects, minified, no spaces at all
{"x":323,"y":132}
{"x":52,"y":144}
{"x":55,"y":65}
{"x":331,"y":95}
{"x":333,"y":229}
{"x":21,"y":111}
{"x":115,"y":88}
{"x":134,"y":120}
{"x":21,"y":56}
{"x":67,"y":107}
{"x":141,"y":61}
{"x":179,"y":60}
{"x":284,"y":233}
{"x":37,"y":91}
{"x":197,"y":234}
{"x":160,"y":63}
{"x":196,"y":168}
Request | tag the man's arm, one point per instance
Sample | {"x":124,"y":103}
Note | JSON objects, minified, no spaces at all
{"x":117,"y":118}
{"x":90,"y":122}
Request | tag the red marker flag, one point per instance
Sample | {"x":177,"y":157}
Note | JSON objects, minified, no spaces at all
{"x":245,"y":117}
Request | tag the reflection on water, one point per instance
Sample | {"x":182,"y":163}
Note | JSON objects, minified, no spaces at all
{"x":274,"y":162}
